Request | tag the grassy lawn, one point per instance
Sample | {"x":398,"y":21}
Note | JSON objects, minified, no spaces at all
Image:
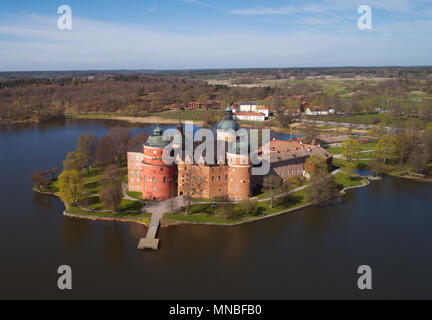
{"x":200,"y":218}
{"x":90,"y":115}
{"x":293,"y":184}
{"x":206,"y":213}
{"x":344,"y":181}
{"x":191,"y":115}
{"x":108,"y":214}
{"x":92,"y":187}
{"x":135,"y":195}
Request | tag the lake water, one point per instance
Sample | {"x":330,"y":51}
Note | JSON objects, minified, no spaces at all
{"x":311,"y":253}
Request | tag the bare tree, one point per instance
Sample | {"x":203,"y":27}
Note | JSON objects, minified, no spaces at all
{"x":194,"y":183}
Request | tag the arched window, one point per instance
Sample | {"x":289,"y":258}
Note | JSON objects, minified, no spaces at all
{"x":154,"y":180}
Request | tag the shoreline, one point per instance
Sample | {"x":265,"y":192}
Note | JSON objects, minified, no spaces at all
{"x":171,"y":223}
{"x":148,"y":120}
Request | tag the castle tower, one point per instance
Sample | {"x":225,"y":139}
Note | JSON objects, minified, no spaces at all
{"x":227,"y":128}
{"x":239,"y":173}
{"x":157,"y":176}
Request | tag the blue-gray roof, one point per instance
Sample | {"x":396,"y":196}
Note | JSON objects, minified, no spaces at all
{"x":228,"y":123}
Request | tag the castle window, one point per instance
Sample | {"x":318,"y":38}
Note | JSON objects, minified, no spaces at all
{"x":137,"y":173}
{"x":132,"y":173}
{"x":154,"y":180}
{"x":154,"y":188}
{"x":164,"y":179}
{"x":237,"y":189}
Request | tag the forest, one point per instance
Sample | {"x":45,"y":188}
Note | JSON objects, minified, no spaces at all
{"x":49,"y":95}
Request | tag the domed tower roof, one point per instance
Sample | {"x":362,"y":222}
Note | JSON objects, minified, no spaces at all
{"x":157,"y":139}
{"x":228,"y":123}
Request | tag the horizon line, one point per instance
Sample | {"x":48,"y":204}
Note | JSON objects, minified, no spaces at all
{"x":215,"y":69}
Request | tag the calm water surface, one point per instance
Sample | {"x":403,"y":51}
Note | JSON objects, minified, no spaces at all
{"x":313,"y":253}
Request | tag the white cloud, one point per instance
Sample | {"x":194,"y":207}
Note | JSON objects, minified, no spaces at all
{"x":196,"y":2}
{"x":326,"y":6}
{"x":34,"y":43}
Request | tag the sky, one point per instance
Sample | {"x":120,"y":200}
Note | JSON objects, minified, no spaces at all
{"x":204,"y":34}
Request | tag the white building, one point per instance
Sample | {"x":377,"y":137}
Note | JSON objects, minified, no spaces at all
{"x":251,"y":107}
{"x":319,"y":111}
{"x":248,"y":107}
{"x":250,"y":116}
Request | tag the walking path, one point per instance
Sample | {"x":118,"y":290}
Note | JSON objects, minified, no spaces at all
{"x":158,"y":209}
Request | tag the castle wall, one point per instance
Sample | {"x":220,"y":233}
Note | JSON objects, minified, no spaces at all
{"x":134,"y":171}
{"x":215,"y":183}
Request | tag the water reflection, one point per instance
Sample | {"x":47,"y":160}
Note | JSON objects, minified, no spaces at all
{"x":114,"y":244}
{"x":76,"y":233}
{"x":311,"y":253}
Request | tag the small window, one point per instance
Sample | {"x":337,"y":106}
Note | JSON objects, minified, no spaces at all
{"x":154,"y":188}
{"x":154,"y":180}
{"x":164,"y":179}
{"x":132,"y":173}
{"x":237,"y":189}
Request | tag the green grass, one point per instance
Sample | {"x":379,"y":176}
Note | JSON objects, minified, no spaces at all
{"x":192,"y":115}
{"x":205,"y":213}
{"x":135,"y":195}
{"x":200,"y":218}
{"x":344,"y":181}
{"x":90,"y":115}
{"x":120,"y":214}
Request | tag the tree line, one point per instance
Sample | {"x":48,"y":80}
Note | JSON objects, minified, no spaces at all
{"x":107,"y":156}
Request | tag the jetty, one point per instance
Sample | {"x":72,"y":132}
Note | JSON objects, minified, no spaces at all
{"x":150,"y":241}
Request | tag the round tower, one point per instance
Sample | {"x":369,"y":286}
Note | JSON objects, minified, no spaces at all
{"x":239,"y":174}
{"x":157,"y":176}
{"x":227,"y":128}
